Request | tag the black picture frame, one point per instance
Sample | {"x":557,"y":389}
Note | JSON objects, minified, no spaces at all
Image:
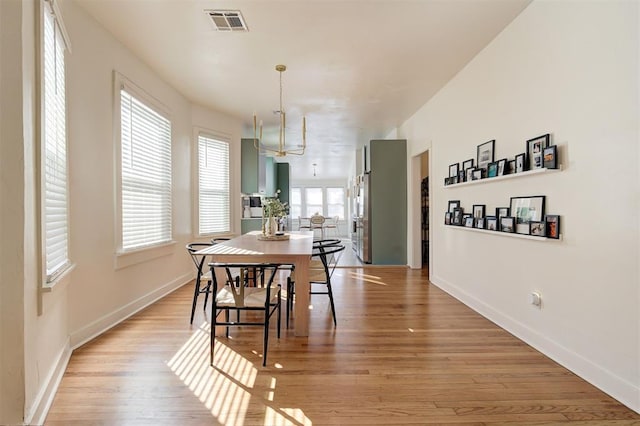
{"x":467,"y":164}
{"x":478,"y":210}
{"x":535,"y":147}
{"x":502,"y":211}
{"x":502,"y":167}
{"x":469,"y":174}
{"x":537,"y":228}
{"x":491,"y":223}
{"x":525,"y":210}
{"x":453,"y":204}
{"x":453,"y":169}
{"x":477,"y":174}
{"x":479,"y":223}
{"x":468,"y":221}
{"x":447,"y":218}
{"x":492,"y":169}
{"x":521,"y":163}
{"x":550,"y":157}
{"x":511,"y":167}
{"x":507,"y":224}
{"x":485,"y":154}
{"x":456,"y":219}
{"x":453,"y":180}
{"x":552,"y":226}
{"x":461,"y":176}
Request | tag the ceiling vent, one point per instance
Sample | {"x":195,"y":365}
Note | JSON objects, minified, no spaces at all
{"x":227,"y":20}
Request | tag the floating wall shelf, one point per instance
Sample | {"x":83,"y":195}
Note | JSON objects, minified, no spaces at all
{"x":505,"y":177}
{"x":503,"y":234}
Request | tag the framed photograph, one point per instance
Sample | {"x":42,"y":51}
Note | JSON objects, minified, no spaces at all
{"x":525,"y":210}
{"x":468,"y":221}
{"x":550,"y":157}
{"x":502,"y":211}
{"x":467,"y":164}
{"x":535,"y":147}
{"x":447,"y":218}
{"x":536,"y":228}
{"x":461,"y":176}
{"x":502,"y":167}
{"x":477,"y":174}
{"x":469,"y":172}
{"x":453,"y":180}
{"x":480,"y":222}
{"x":507,"y":224}
{"x":511,"y":167}
{"x":491,"y":223}
{"x":456,"y":219}
{"x":492,"y":170}
{"x":453,"y":204}
{"x":485,"y":154}
{"x":552,"y":228}
{"x":453,"y":170}
{"x":520,"y":163}
{"x":478,"y":211}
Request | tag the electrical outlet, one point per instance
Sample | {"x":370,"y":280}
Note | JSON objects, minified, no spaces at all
{"x":535,"y":299}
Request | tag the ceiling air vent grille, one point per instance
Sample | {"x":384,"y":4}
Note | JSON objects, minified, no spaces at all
{"x":227,"y":20}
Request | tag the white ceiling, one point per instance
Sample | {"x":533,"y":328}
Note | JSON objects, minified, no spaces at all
{"x":356,"y":69}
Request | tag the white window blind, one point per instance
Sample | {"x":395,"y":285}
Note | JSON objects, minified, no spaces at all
{"x":213,"y":186}
{"x":335,"y":202}
{"x":145,"y":174}
{"x":314,"y":201}
{"x":295,"y":203}
{"x":54,"y":146}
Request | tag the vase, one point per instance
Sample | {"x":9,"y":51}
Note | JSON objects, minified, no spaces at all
{"x":270,"y":226}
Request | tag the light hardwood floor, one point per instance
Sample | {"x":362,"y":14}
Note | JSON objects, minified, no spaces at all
{"x":404,"y":352}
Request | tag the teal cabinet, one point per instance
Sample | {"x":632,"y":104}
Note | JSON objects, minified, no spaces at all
{"x":249,"y":167}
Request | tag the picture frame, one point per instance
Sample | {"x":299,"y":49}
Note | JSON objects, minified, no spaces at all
{"x":552,"y":226}
{"x":511,"y":167}
{"x":453,"y":204}
{"x":453,"y":169}
{"x":447,"y":218}
{"x":520,"y":162}
{"x":537,"y":228}
{"x":479,"y":223}
{"x":469,"y":172}
{"x":468,"y":222}
{"x":485,"y":154}
{"x":491,"y":223}
{"x":507,"y":224}
{"x":502,"y":211}
{"x":525,"y":210}
{"x":467,"y":164}
{"x":477,"y":174}
{"x":456,"y":219}
{"x":550,"y":157}
{"x":461,"y":176}
{"x":453,"y":180}
{"x":502,"y":167}
{"x":492,"y":169}
{"x":478,"y":211}
{"x":535,"y":147}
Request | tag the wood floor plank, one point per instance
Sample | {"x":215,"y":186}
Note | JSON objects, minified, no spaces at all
{"x":404,"y":352}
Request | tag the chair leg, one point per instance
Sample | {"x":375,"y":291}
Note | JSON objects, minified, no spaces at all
{"x":289,"y":298}
{"x":195,"y":298}
{"x":226,"y":318}
{"x":266,"y":339}
{"x":206,"y":296}
{"x":333,"y":308}
{"x":279,"y":311}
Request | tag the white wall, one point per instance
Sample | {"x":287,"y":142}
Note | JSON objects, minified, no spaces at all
{"x":571,"y":69}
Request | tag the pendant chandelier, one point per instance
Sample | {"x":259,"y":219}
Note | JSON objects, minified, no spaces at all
{"x":282,"y":150}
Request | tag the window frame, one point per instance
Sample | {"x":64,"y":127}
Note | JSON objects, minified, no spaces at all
{"x":62,"y":274}
{"x":220,"y":137}
{"x":127,"y":257}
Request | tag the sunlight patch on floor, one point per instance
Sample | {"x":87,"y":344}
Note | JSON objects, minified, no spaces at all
{"x":367,"y":278}
{"x":226,"y":389}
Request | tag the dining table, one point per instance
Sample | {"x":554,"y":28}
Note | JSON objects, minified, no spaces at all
{"x":294,"y":250}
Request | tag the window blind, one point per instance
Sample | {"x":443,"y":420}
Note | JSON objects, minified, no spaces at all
{"x":55,"y":202}
{"x":145,"y":174}
{"x":213,"y":186}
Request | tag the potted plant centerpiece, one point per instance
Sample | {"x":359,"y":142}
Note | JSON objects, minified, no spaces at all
{"x":272,"y":211}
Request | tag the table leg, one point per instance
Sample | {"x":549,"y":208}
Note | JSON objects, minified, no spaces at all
{"x":301,"y":307}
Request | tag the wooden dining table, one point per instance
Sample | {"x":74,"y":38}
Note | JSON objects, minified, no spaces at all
{"x":296,"y":250}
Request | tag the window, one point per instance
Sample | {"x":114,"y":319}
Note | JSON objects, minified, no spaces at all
{"x":295,"y":203}
{"x":313,"y":198}
{"x":55,"y":214}
{"x":213,"y":186}
{"x":335,"y":202}
{"x":145,"y":187}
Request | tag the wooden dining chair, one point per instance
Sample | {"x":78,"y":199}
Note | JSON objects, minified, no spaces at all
{"x":203,"y":276}
{"x":231,"y":294}
{"x":332,"y":223}
{"x":325,"y":256}
{"x":317,"y":223}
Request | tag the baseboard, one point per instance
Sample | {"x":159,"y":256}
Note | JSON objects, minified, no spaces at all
{"x":48,"y":391}
{"x":617,"y":387}
{"x":99,"y":326}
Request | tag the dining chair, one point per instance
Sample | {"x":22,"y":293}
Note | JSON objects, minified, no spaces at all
{"x":231,"y":294}
{"x":203,"y":277}
{"x":303,"y":223}
{"x":332,"y":223}
{"x":324,"y":258}
{"x":317,"y":223}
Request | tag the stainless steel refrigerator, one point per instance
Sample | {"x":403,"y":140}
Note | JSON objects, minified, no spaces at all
{"x":363,"y":222}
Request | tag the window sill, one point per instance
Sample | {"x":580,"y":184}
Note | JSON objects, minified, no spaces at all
{"x":124,"y":259}
{"x":60,"y":282}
